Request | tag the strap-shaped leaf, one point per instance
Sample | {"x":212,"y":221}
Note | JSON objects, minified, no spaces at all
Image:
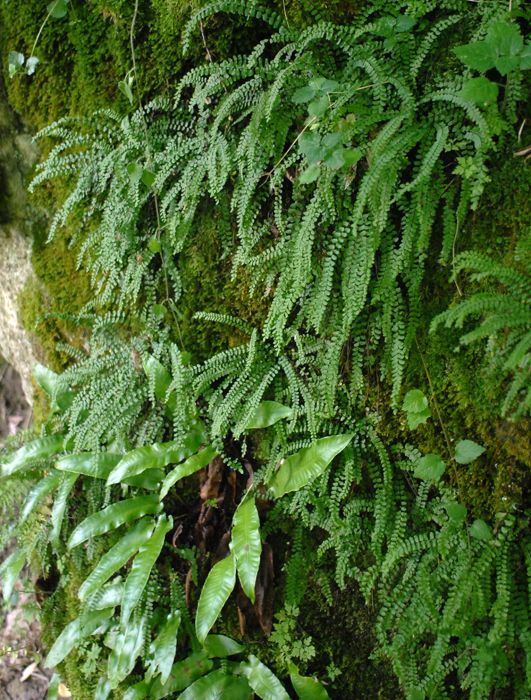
{"x":190,"y":466}
{"x":68,"y":482}
{"x":112,"y":517}
{"x":141,"y":569}
{"x":109,"y":596}
{"x":268,"y":413}
{"x":74,"y":633}
{"x":161,"y":381}
{"x":138,"y":691}
{"x":37,"y":449}
{"x":301,"y":468}
{"x":116,"y":557}
{"x":218,"y":646}
{"x":149,"y":457}
{"x":41,"y":489}
{"x":218,"y":684}
{"x":246,"y":544}
{"x":218,"y":586}
{"x":126,"y":648}
{"x":97,"y":465}
{"x":308,"y":688}
{"x":262,"y":680}
{"x":10,"y":571}
{"x":183,"y":674}
{"x":164,"y":647}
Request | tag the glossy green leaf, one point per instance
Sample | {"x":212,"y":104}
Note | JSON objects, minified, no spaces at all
{"x":268,"y":413}
{"x":183,"y":674}
{"x":467,"y":451}
{"x":68,"y":481}
{"x":142,"y":565}
{"x":58,"y":8}
{"x":103,"y":689}
{"x":308,"y":688}
{"x":50,"y":382}
{"x":262,"y":680}
{"x":217,"y":588}
{"x":139,"y":691}
{"x":456,"y":511}
{"x":10,"y":571}
{"x":188,"y":467}
{"x":154,"y":245}
{"x":74,"y":633}
{"x":303,"y":467}
{"x":480,"y":90}
{"x":41,"y":489}
{"x":430,"y":468}
{"x":218,"y":684}
{"x":113,"y":560}
{"x":97,"y":465}
{"x":148,"y":457}
{"x":164,"y":647}
{"x":148,"y":178}
{"x":161,"y":381}
{"x":31,"y":452}
{"x":246,"y":544}
{"x":218,"y":646}
{"x":112,"y":517}
{"x":127,"y":647}
{"x":480,"y":530}
{"x":109,"y":596}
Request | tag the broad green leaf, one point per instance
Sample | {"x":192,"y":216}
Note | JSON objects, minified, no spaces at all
{"x":151,"y":479}
{"x":31,"y":452}
{"x":456,"y":511}
{"x":307,"y":464}
{"x":308,"y":688}
{"x":148,"y":178}
{"x":9,"y":572}
{"x":467,"y":451}
{"x":112,"y":517}
{"x":141,"y":568}
{"x":60,"y":503}
{"x":190,"y":466}
{"x":218,"y":684}
{"x":164,"y":647}
{"x":268,"y":413}
{"x":53,"y":687}
{"x":161,"y":381}
{"x":525,"y":57}
{"x":50,"y":382}
{"x":263,"y":681}
{"x":415,"y":401}
{"x":183,"y":674}
{"x":480,"y":530}
{"x":154,"y":245}
{"x":246,"y":544}
{"x":507,"y":43}
{"x":430,"y":468}
{"x":416,"y":419}
{"x":58,"y":8}
{"x":149,"y":457}
{"x":127,"y":647}
{"x":139,"y":691}
{"x":116,"y":557}
{"x":335,"y":160}
{"x":218,"y":646}
{"x":318,"y":107}
{"x":303,"y":94}
{"x":74,"y":633}
{"x":103,"y":689}
{"x":109,"y":596}
{"x":479,"y":90}
{"x":217,"y":588}
{"x":311,"y":174}
{"x":478,"y":55}
{"x":41,"y":489}
{"x":97,"y":465}
{"x":351,"y":156}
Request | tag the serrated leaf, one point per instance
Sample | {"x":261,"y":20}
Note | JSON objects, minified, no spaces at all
{"x":31,"y":452}
{"x":128,"y":647}
{"x":9,"y":572}
{"x":218,"y":684}
{"x":303,"y":94}
{"x":112,"y":517}
{"x":116,"y":557}
{"x":142,"y":565}
{"x":415,"y":401}
{"x":480,"y":91}
{"x":74,"y":633}
{"x":217,"y":588}
{"x":41,"y":489}
{"x":190,"y":466}
{"x":467,"y":451}
{"x":456,"y":511}
{"x":308,"y":688}
{"x":246,"y":544}
{"x":478,"y":55}
{"x":480,"y":530}
{"x":430,"y":468}
{"x":68,"y":481}
{"x":416,"y":419}
{"x":218,"y":646}
{"x":183,"y":674}
{"x":268,"y":413}
{"x":311,"y":174}
{"x":262,"y":680}
{"x":58,"y":8}
{"x":303,"y":467}
{"x":164,"y":647}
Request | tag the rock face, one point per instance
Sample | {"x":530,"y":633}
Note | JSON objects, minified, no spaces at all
{"x":17,"y":155}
